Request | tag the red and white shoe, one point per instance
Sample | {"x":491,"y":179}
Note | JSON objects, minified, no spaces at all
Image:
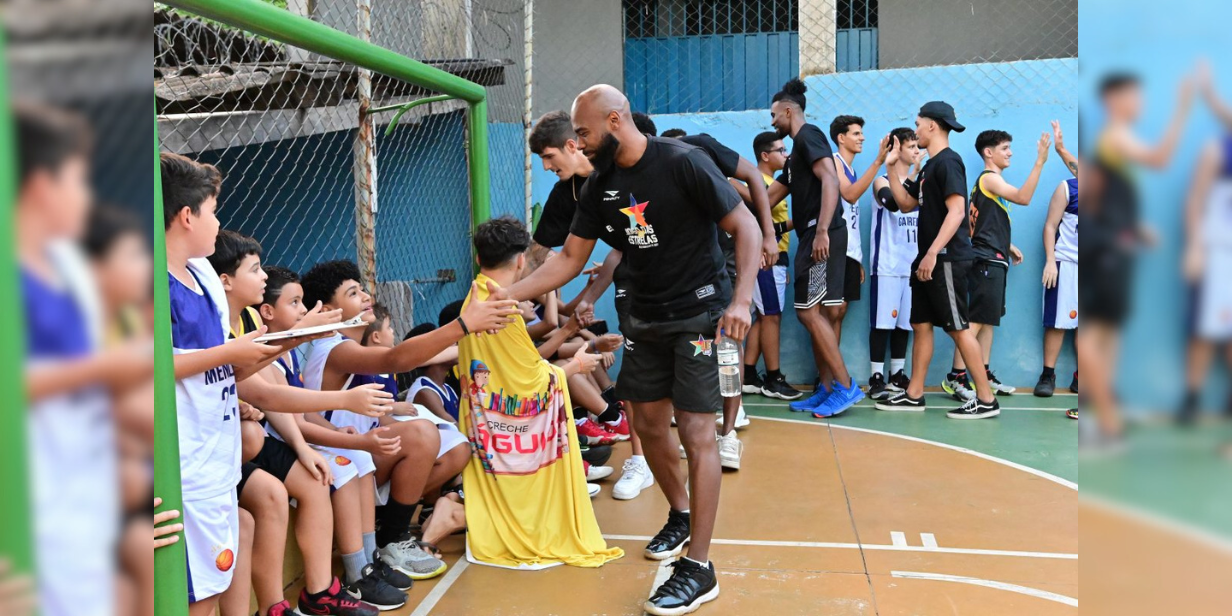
{"x":619,"y":430}
{"x":595,"y":473}
{"x":592,"y":433}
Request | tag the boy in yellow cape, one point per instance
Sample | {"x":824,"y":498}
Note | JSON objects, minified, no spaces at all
{"x":527,"y":505}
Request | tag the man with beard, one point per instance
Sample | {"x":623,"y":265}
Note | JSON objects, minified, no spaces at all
{"x":663,"y":202}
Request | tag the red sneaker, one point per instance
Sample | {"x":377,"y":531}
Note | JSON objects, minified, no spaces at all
{"x":619,"y":430}
{"x":334,"y":602}
{"x":281,"y":609}
{"x":592,"y":433}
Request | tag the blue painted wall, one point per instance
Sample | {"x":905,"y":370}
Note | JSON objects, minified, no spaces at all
{"x":1021,"y":107}
{"x":297,"y":197}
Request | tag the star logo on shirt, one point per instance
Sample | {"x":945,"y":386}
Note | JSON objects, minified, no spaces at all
{"x":637,"y":215}
{"x":701,"y":346}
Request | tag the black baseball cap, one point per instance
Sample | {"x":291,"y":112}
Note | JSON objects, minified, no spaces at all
{"x":941,"y":111}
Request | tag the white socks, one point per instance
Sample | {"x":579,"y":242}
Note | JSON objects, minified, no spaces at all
{"x":878,"y":368}
{"x":897,"y":365}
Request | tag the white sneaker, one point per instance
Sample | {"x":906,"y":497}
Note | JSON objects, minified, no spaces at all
{"x":595,"y":473}
{"x":730,"y":451}
{"x":593,"y":488}
{"x":957,"y":390}
{"x":634,"y":477}
{"x":683,"y":455}
{"x":742,"y":419}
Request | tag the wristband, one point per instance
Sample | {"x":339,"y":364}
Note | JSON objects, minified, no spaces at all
{"x":465,"y":330}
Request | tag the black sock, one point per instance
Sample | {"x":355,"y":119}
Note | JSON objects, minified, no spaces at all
{"x":899,"y":339}
{"x":612,"y":413}
{"x":1048,"y":371}
{"x":394,"y":521}
{"x":750,"y":370}
{"x":877,"y":339}
{"x":957,"y":375}
{"x":317,"y":596}
{"x":773,"y":374}
{"x":579,"y":411}
{"x":609,"y":394}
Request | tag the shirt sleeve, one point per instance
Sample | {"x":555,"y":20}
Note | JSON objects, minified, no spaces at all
{"x":913,"y":188}
{"x":816,"y":146}
{"x":586,"y":222}
{"x":954,"y":181}
{"x":784,"y":178}
{"x":725,"y":158}
{"x":707,"y":186}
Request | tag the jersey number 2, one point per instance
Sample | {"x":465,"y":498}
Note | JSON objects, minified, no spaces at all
{"x":228,"y":391}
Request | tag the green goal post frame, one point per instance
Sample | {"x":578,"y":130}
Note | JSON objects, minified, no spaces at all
{"x":267,"y":20}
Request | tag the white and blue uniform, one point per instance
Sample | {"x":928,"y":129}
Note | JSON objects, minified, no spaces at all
{"x":851,"y":214}
{"x":342,"y":468}
{"x":450,"y":435}
{"x":72,"y":448}
{"x":317,"y":354}
{"x":1061,"y":301}
{"x":893,"y":245}
{"x":449,"y":398}
{"x":209,"y":434}
{"x":1214,"y":307}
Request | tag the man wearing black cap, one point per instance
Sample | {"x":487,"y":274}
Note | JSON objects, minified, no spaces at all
{"x":939,"y":280}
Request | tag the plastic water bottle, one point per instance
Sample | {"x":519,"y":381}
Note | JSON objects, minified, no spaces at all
{"x":728,"y":352}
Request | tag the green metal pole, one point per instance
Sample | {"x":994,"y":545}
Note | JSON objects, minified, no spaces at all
{"x":170,"y":564}
{"x":477,"y":148}
{"x":270,"y":21}
{"x":405,"y":107}
{"x":15,"y":518}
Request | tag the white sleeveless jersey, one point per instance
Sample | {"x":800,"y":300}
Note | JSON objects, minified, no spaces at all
{"x":893,"y":240}
{"x":206,"y":405}
{"x":1217,"y":219}
{"x":314,"y":373}
{"x":1066,"y":246}
{"x":851,"y":214}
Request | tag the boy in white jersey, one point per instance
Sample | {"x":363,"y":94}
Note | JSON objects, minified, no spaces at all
{"x":892,"y":247}
{"x":1060,"y":279}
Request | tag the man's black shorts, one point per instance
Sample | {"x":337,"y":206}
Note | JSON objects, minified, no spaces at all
{"x":942,"y":301}
{"x":851,"y":281}
{"x":821,"y":283}
{"x":671,"y":359}
{"x":986,"y":284}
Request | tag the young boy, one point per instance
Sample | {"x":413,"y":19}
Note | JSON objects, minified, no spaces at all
{"x":771,"y":294}
{"x":893,"y":247}
{"x":990,"y":241}
{"x":1060,"y":279}
{"x":939,"y":291}
{"x":341,"y":362}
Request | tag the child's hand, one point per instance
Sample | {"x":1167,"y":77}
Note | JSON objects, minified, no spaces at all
{"x":608,"y":343}
{"x":315,"y":465}
{"x":377,"y":444}
{"x":244,"y":351}
{"x":488,"y":316}
{"x":167,"y":534}
{"x":369,"y":400}
{"x":249,"y":412}
{"x":317,"y":316}
{"x":405,"y":409}
{"x":609,"y":360}
{"x":587,"y":362}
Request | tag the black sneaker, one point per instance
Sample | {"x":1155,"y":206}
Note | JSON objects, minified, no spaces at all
{"x":375,"y":591}
{"x":777,"y":387}
{"x":670,"y":541}
{"x":391,"y":576}
{"x":752,"y":382}
{"x":1046,"y":386}
{"x":687,"y":589}
{"x":898,"y":382}
{"x":337,"y":602}
{"x":900,"y":402}
{"x":596,"y":455}
{"x":877,"y":387}
{"x":1073,"y":385}
{"x":975,"y":409}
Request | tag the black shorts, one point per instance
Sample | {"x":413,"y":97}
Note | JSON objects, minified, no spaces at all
{"x":821,"y":283}
{"x":851,"y":281}
{"x":671,"y":359}
{"x":986,"y":285}
{"x":276,"y":458}
{"x":942,"y":301}
{"x":622,"y":300}
{"x":1104,"y":294}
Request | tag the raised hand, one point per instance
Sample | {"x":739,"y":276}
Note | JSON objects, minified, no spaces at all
{"x":608,"y":343}
{"x":587,"y":362}
{"x":1042,"y":148}
{"x":318,"y":316}
{"x":491,"y":315}
{"x":369,"y":400}
{"x":893,"y":151}
{"x":245,"y":351}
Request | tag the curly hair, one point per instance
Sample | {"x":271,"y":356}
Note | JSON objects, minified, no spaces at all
{"x":323,"y":280}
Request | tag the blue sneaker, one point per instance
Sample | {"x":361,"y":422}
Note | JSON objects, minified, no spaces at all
{"x":842,"y":399}
{"x":811,"y":402}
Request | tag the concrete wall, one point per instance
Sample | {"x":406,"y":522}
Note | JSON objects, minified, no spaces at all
{"x":938,"y":32}
{"x":575,"y":49}
{"x":1021,"y":107}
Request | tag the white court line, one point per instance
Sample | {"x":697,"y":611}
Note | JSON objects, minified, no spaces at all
{"x":929,"y":540}
{"x":867,"y":546}
{"x":1047,"y":409}
{"x":1176,"y":527}
{"x":898,"y":539}
{"x":438,"y":591}
{"x":1026,"y":469}
{"x":1022,"y":590}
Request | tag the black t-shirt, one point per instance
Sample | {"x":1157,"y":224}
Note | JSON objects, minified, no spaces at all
{"x":990,"y":224}
{"x":558,"y":211}
{"x":662,"y":214}
{"x":943,"y":175}
{"x":808,"y":146}
{"x":727,"y":160}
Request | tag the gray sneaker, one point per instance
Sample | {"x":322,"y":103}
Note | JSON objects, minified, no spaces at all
{"x":957,"y":389}
{"x":414,"y":561}
{"x":999,"y":388}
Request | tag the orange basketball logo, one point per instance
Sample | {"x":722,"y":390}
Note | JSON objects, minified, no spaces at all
{"x":225,"y":560}
{"x":894,"y":314}
{"x":1073,"y":314}
{"x":341,"y":461}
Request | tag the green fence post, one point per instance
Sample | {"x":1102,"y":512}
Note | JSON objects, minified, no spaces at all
{"x":477,"y":157}
{"x":170,"y":564}
{"x":16,"y":529}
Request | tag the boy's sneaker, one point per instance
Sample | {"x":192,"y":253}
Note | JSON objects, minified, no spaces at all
{"x":595,"y":454}
{"x":898,"y":382}
{"x":752,"y":382}
{"x":670,"y":541}
{"x":840,"y":400}
{"x":634,"y":477}
{"x":777,"y":387}
{"x":373,"y":590}
{"x":595,"y":473}
{"x":281,"y":609}
{"x":808,"y":404}
{"x":334,"y":602}
{"x":998,"y":388}
{"x":1072,"y":413}
{"x":730,"y":451}
{"x":690,"y":585}
{"x":593,"y":434}
{"x":391,"y":576}
{"x":592,"y":489}
{"x":901,"y":402}
{"x":1046,"y":386}
{"x":877,"y":387}
{"x":619,"y":431}
{"x":957,"y":388}
{"x":414,"y":561}
{"x":975,"y":409}
{"x":1073,"y":385}
{"x":742,"y":419}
